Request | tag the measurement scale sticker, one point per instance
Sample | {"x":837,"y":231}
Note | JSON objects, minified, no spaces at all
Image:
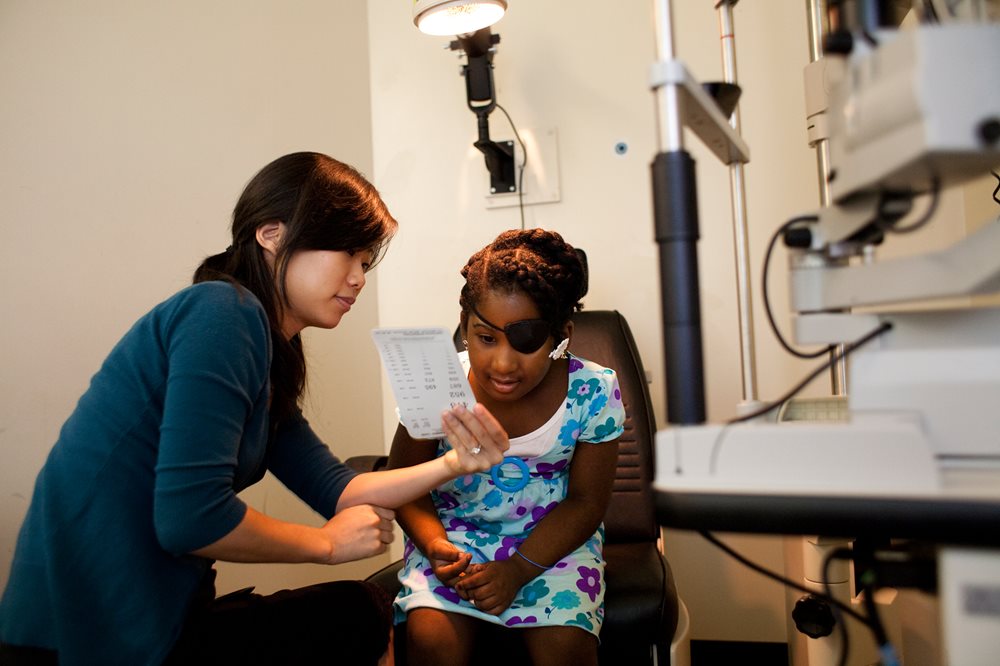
{"x":425,"y":374}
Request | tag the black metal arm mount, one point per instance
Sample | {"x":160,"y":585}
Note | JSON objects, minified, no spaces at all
{"x":481,"y":97}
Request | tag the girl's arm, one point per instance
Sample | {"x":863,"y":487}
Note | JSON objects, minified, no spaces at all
{"x":394,"y":487}
{"x":419,"y":518}
{"x":576,"y":518}
{"x":494,"y":585}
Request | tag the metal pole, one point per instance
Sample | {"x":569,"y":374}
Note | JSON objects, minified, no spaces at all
{"x":737,"y":187}
{"x":667,"y":104}
{"x":675,"y":214}
{"x":816,"y":13}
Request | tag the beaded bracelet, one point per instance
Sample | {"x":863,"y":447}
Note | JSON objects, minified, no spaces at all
{"x":540,"y":566}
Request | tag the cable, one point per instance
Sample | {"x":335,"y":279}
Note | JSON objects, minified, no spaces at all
{"x":841,"y":626}
{"x":834,"y":358}
{"x":997,"y":190}
{"x":767,"y":301}
{"x":524,"y":163}
{"x":781,"y":579}
{"x":928,"y":214}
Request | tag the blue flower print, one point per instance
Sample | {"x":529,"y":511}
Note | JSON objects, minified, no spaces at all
{"x":566,"y":599}
{"x":493,"y":498}
{"x":516,"y":619}
{"x":532,"y":592}
{"x":581,"y":391}
{"x":582,"y":620}
{"x":570,"y":432}
{"x":606,"y":429}
{"x":468,"y":483}
{"x":482,"y":538}
{"x":597,"y":404}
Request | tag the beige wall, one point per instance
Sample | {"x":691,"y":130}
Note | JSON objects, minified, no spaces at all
{"x":127,"y":130}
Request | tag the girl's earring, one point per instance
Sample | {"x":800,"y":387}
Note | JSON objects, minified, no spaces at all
{"x":560,"y":350}
{"x":466,"y":343}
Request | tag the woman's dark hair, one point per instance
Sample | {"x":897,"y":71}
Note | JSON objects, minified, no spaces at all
{"x":535,"y":262}
{"x":325,"y":205}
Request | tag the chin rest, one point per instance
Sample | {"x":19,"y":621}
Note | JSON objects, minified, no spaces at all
{"x":641,"y":605}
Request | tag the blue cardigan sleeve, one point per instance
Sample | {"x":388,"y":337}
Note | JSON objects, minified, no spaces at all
{"x":307,"y":467}
{"x":217,"y":349}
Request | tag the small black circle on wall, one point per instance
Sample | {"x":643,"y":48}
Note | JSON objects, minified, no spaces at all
{"x":621,"y":148}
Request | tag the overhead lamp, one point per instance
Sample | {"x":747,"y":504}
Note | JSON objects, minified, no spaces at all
{"x":469,"y":21}
{"x":456,"y":17}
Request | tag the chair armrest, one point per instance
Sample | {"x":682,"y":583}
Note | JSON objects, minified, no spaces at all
{"x":361,"y":464}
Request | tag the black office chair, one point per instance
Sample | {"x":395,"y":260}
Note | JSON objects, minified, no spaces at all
{"x":641,"y":605}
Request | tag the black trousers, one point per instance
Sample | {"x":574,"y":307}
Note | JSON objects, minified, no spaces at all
{"x":342,"y":622}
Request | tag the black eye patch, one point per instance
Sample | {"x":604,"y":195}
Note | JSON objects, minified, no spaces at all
{"x":526,"y":336}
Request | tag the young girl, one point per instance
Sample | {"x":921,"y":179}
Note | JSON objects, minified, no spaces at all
{"x":520,"y":545}
{"x":139,"y":494}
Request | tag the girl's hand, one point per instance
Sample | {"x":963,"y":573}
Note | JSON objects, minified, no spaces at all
{"x":493,"y":586}
{"x":358,"y":532}
{"x":447,"y":560}
{"x":477,"y":438}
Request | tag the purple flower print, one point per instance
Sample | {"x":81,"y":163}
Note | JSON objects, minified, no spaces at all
{"x":538,"y":513}
{"x":516,"y":619}
{"x":590,"y":582}
{"x":574,"y":364}
{"x":459,"y":525}
{"x":448,"y":593}
{"x":506,"y":549}
{"x":548,"y":470}
{"x":445,"y":501}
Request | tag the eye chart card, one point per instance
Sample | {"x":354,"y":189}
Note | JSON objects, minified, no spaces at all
{"x":425,"y":374}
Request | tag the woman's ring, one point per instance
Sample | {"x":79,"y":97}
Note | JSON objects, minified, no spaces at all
{"x":476,"y":450}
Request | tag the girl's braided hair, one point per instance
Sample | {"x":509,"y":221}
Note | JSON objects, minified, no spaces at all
{"x":535,"y":262}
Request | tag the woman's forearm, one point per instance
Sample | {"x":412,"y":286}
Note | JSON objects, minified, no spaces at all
{"x":260,"y":538}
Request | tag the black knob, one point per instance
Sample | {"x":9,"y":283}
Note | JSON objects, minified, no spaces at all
{"x":813,"y":617}
{"x":989,"y":131}
{"x":840,"y":42}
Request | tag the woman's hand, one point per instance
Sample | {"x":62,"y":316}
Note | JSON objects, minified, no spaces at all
{"x":491,"y":587}
{"x":358,"y":532}
{"x":477,"y":438}
{"x":447,"y":560}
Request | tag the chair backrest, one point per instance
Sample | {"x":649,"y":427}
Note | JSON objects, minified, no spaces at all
{"x":604,"y":336}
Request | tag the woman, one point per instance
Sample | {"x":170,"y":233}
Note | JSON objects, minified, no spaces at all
{"x":194,"y":404}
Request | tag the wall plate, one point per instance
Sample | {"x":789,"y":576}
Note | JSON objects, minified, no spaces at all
{"x":541,"y":174}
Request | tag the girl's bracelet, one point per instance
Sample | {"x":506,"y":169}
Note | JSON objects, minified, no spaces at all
{"x":540,"y":566}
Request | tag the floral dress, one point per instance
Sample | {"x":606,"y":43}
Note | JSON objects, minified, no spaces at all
{"x":488,"y":515}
